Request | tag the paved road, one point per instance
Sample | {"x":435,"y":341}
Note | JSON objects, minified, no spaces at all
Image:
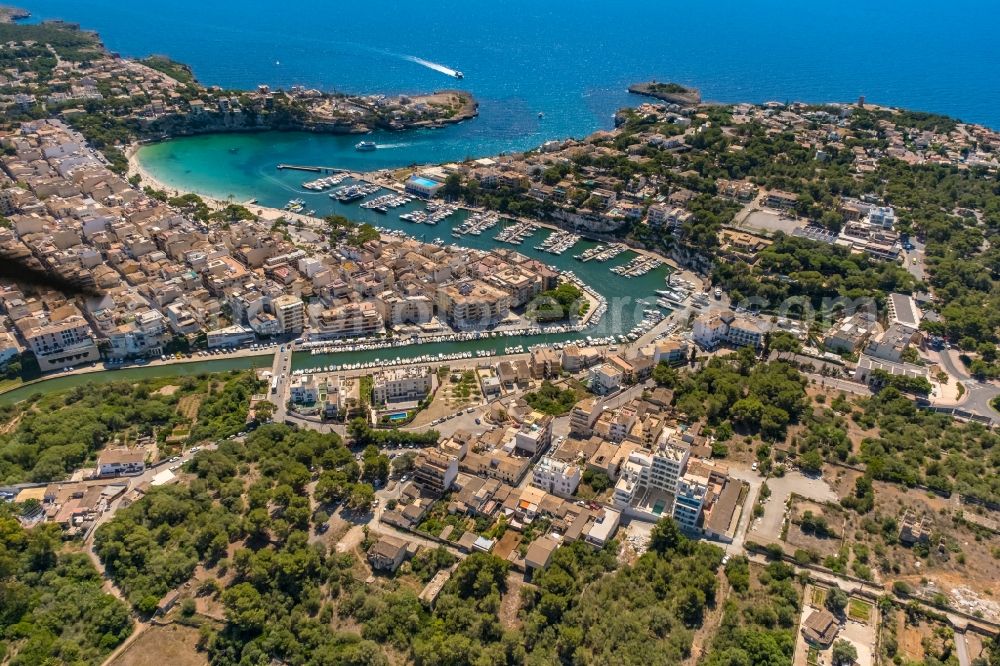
{"x":282,"y":369}
{"x":916,"y":268}
{"x":744,"y":473}
{"x":952,"y":364}
{"x":845,"y":385}
{"x":962,"y":649}
{"x":978,"y":395}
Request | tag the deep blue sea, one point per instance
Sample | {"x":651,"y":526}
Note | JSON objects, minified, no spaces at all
{"x":573,"y":59}
{"x":569,"y":60}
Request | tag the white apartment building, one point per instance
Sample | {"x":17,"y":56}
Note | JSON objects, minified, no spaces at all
{"x":291,"y":313}
{"x":555,"y":476}
{"x":689,"y":500}
{"x":402,"y":384}
{"x":712,"y":330}
{"x":672,"y":351}
{"x":230,"y":336}
{"x":534,"y":437}
{"x":144,"y":336}
{"x":59,"y":344}
{"x":304,"y":389}
{"x":606,"y":378}
{"x":346,"y":321}
{"x":669,"y":460}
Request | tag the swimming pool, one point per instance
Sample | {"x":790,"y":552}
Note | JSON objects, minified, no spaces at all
{"x":424,"y":182}
{"x":398,"y":416}
{"x":659,"y":507}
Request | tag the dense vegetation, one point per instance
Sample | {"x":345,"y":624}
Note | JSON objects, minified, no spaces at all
{"x":346,"y":232}
{"x":362,"y":434}
{"x":62,"y":431}
{"x":550,"y":399}
{"x":52,"y":606}
{"x":563,"y":302}
{"x":798,"y":267}
{"x":70,"y":44}
{"x":759,"y":620}
{"x":176,"y":70}
{"x":154,"y":545}
{"x":753,"y":397}
{"x":640,"y":614}
{"x":912,"y":446}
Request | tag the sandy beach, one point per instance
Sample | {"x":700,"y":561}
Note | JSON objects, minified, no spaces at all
{"x":265,"y":212}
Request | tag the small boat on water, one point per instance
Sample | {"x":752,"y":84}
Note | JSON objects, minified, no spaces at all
{"x":365,"y":146}
{"x":459,"y":75}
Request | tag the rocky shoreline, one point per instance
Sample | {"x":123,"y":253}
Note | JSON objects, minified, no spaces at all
{"x":673,"y":93}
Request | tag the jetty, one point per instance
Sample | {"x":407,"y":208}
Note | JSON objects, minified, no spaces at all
{"x":306,"y":167}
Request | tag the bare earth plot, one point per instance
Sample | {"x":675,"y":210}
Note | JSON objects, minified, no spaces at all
{"x":173,"y":644}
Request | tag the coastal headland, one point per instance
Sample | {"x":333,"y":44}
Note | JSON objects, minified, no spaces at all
{"x":672,"y":93}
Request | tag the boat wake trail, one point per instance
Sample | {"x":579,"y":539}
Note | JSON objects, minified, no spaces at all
{"x":382,"y":146}
{"x":448,"y":71}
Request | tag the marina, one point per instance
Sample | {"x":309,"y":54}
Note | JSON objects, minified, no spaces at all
{"x":322,"y":184}
{"x":432,"y":214}
{"x":383,"y":203}
{"x":558,"y":242}
{"x":516,"y":233}
{"x":640,"y":265}
{"x":602,"y":253}
{"x":349,"y":193}
{"x":621,"y":306}
{"x":477,"y":224}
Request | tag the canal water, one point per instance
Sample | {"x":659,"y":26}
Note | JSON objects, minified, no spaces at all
{"x":134,"y":374}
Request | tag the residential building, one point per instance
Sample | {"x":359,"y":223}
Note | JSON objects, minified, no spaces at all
{"x":606,"y":378}
{"x":540,"y":552}
{"x":890,"y":345}
{"x":689,"y":500}
{"x":820,"y":628}
{"x":673,"y":351}
{"x":850,"y":334}
{"x":402,"y":384}
{"x":470,"y":304}
{"x":291,"y":313}
{"x":555,"y":476}
{"x":387,"y":554}
{"x":231,"y":336}
{"x":711,"y":330}
{"x":781,"y":200}
{"x":304,"y":389}
{"x":583,"y":416}
{"x":534,"y":435}
{"x":435,"y":472}
{"x":120,"y":462}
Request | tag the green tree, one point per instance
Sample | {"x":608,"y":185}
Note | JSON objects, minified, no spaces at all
{"x":843,"y":653}
{"x":836,"y":600}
